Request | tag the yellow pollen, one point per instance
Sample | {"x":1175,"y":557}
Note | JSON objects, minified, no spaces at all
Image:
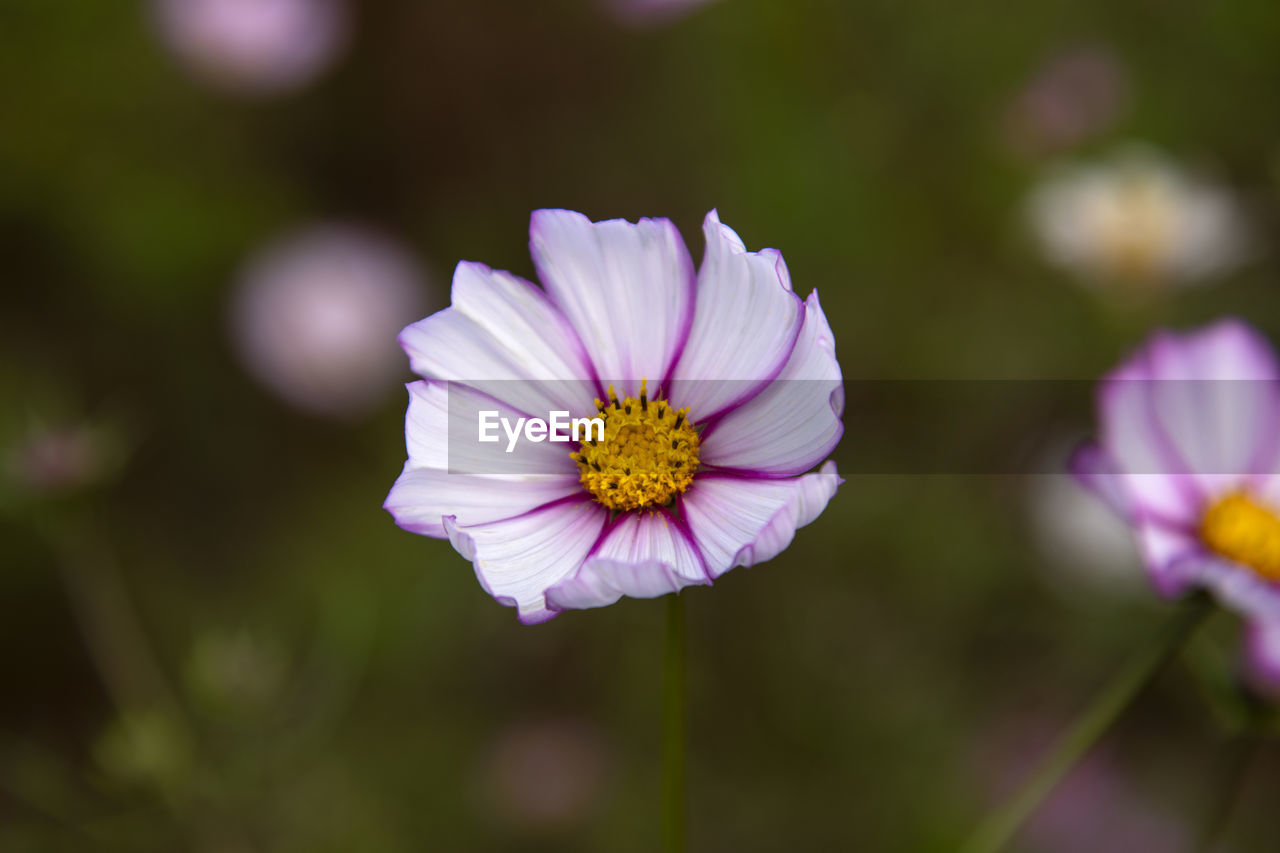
{"x":1246,"y":532}
{"x":648,"y":456}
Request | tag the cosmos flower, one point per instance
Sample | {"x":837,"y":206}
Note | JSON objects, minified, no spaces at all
{"x":719,"y":391}
{"x":314,"y":313}
{"x":1137,"y":219}
{"x":253,"y":46}
{"x":1187,"y":454}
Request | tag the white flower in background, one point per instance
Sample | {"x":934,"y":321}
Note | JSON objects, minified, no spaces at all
{"x":316,"y":316}
{"x":1080,"y":540}
{"x":1137,"y":218}
{"x":253,"y":46}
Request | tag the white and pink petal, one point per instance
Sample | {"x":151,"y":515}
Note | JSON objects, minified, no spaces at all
{"x":503,"y":336}
{"x":1156,"y":479}
{"x":1238,"y":587}
{"x":794,"y":423}
{"x":442,"y":431}
{"x":745,"y":325}
{"x":1094,"y":469}
{"x":812,"y":493}
{"x":421,"y":498}
{"x":1262,"y":655}
{"x":518,"y":559}
{"x":627,"y":288}
{"x":1214,"y":393}
{"x":426,"y":424}
{"x":643,"y":555}
{"x":726,"y":515}
{"x":1191,"y":416}
{"x":1169,"y":555}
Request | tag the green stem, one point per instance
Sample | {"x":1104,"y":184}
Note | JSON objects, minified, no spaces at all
{"x":1244,"y":748}
{"x":998,"y":829}
{"x":107,"y":620}
{"x":673,"y":728}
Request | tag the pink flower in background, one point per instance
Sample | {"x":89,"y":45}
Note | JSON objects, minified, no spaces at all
{"x":53,"y":459}
{"x":1076,"y":93}
{"x":541,"y":776}
{"x":253,"y":46}
{"x":315,"y":314}
{"x":1099,"y":807}
{"x":719,"y":390}
{"x":1189,"y":454}
{"x":650,"y":12}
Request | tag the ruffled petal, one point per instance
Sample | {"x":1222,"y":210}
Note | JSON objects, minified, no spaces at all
{"x":1155,"y":478}
{"x":811,"y":494}
{"x":627,"y":288}
{"x":421,"y":497}
{"x":503,"y":336}
{"x":1097,"y":472}
{"x":1168,"y":553}
{"x":1214,"y":394}
{"x":518,"y":559}
{"x":426,"y":424}
{"x":443,"y":431}
{"x":745,"y":325}
{"x":1228,"y":349}
{"x":1191,"y":416}
{"x":794,"y":423}
{"x":727,"y":515}
{"x":643,"y":555}
{"x":1262,"y":654}
{"x":1238,"y":587}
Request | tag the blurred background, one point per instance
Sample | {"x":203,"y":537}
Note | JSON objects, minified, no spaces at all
{"x":216,"y":214}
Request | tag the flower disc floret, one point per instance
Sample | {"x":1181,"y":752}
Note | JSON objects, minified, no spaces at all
{"x":1242,"y":530}
{"x":648,"y":455}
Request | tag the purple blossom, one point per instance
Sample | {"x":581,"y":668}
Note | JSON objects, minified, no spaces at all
{"x":314,"y":314}
{"x":1078,"y":92}
{"x":720,"y":389}
{"x":253,"y":46}
{"x":651,"y":12}
{"x":1187,"y":453}
{"x":543,"y":776}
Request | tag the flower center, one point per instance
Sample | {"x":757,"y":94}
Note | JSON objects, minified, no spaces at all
{"x":648,"y":455}
{"x":1139,"y":228}
{"x":1244,"y":531}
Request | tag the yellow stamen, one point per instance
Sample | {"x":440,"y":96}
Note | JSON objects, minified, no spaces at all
{"x":648,"y":455}
{"x":1246,"y":532}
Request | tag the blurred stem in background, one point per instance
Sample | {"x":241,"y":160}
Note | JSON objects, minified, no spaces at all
{"x":150,"y":713}
{"x":1000,"y":827}
{"x":673,"y":728}
{"x":1244,"y":748}
{"x":102,"y":609}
